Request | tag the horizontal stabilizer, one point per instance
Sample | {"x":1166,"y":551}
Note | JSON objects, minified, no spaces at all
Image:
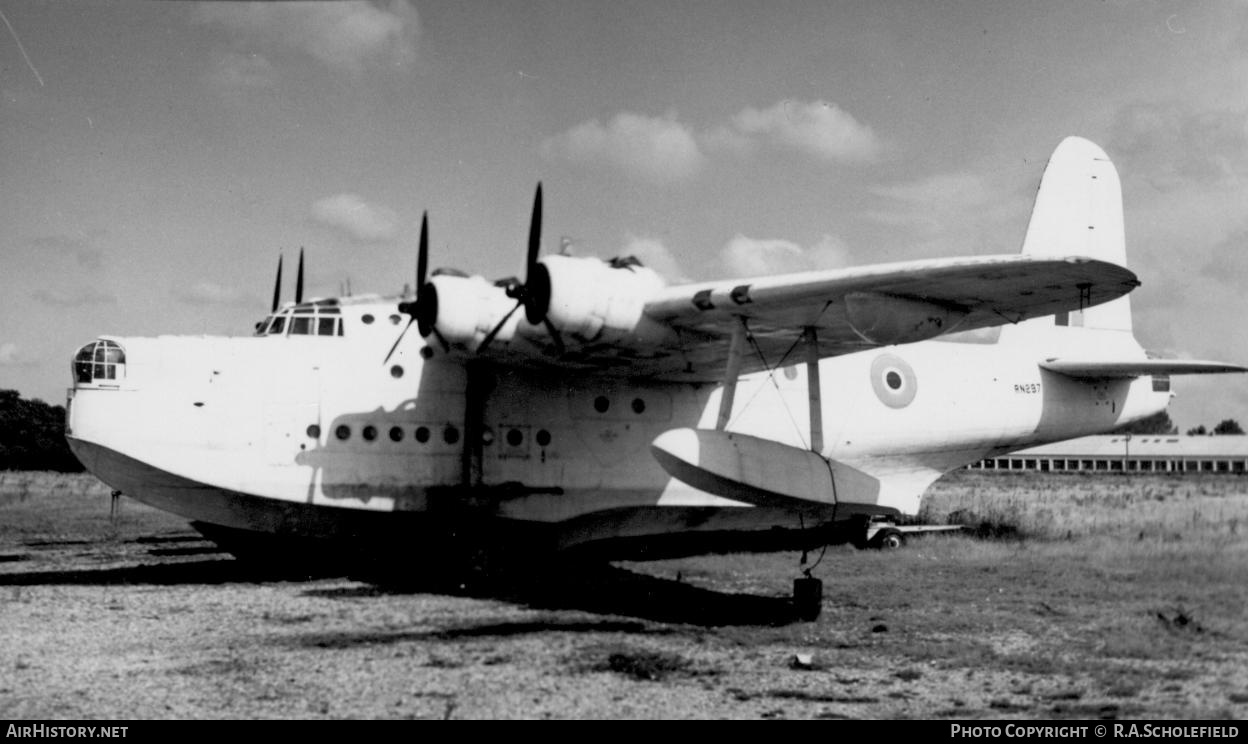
{"x":1113,"y":369}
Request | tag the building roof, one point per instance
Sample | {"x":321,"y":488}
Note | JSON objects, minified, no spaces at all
{"x":1142,"y":445}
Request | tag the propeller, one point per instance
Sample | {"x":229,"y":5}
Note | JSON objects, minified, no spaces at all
{"x":534,"y":293}
{"x":299,"y":279}
{"x":277,"y":286}
{"x":412,"y":308}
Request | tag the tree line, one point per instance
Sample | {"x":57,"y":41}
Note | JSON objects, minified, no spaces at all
{"x":1160,"y":423}
{"x":32,"y":436}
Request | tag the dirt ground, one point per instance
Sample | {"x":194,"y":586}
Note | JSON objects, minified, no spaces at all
{"x":137,"y":617}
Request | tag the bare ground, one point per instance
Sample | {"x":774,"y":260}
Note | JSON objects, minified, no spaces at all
{"x":1143,"y":617}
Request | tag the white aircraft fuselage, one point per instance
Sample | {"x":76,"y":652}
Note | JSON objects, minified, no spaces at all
{"x":310,"y":435}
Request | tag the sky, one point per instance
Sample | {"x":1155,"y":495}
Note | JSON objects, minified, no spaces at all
{"x":157,"y":158}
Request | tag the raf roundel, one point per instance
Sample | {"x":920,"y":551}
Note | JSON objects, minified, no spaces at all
{"x":893,"y":381}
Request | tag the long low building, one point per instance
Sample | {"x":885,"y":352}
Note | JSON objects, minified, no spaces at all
{"x":1146,"y":453}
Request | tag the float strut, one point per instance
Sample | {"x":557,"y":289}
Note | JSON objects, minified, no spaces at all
{"x":736,"y":351}
{"x":814,"y":392}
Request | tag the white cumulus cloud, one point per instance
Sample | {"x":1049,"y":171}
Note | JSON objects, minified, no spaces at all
{"x":653,"y":254}
{"x":662,"y":149}
{"x":345,"y":36}
{"x":658,"y":149}
{"x":818,"y":128}
{"x":956,"y":213}
{"x":745,"y":256}
{"x":350,"y":215}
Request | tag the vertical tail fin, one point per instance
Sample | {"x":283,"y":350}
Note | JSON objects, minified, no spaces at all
{"x":1078,"y":212}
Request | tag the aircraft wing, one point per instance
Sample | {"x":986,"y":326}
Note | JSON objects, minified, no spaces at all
{"x":1110,"y":370}
{"x":865,"y":307}
{"x":684,"y":332}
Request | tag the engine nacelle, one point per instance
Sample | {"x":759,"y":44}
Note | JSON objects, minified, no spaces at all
{"x":463,"y":310}
{"x":592,"y":300}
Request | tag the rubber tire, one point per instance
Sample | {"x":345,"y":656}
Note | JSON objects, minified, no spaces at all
{"x":889,"y":539}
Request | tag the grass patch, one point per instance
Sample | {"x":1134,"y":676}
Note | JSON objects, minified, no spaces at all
{"x":640,"y":664}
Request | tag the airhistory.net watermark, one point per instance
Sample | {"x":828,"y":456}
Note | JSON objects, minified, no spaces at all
{"x":47,"y":731}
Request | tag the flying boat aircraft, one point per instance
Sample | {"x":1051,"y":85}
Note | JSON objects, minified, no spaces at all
{"x":591,"y":409}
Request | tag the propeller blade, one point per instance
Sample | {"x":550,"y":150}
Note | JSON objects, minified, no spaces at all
{"x":534,"y":293}
{"x":400,"y":338}
{"x":299,"y":280}
{"x":535,"y":234}
{"x":554,"y":336}
{"x":422,"y":267}
{"x":422,"y":254}
{"x":277,"y":286}
{"x":441,"y":339}
{"x":494,"y":331}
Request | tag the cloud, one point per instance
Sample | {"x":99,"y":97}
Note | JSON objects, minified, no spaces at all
{"x":929,"y":203}
{"x":80,"y":297}
{"x":955,"y":213}
{"x":664,"y":150}
{"x":211,"y":293}
{"x":66,"y":245}
{"x":817,"y":128}
{"x":12,"y":356}
{"x":744,"y":256}
{"x":347,"y":36}
{"x":234,"y":71}
{"x":350,"y":215}
{"x":653,"y":254}
{"x":658,"y":149}
{"x":1170,"y":145}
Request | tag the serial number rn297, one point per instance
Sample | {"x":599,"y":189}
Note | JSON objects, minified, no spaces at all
{"x":1029,"y":388}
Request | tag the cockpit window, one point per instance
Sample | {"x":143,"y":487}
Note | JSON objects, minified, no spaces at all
{"x":100,"y":361}
{"x":304,"y":320}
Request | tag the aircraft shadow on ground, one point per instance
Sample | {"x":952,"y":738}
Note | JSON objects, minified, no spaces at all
{"x":609,"y":590}
{"x":600,"y":589}
{"x":214,"y":571}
